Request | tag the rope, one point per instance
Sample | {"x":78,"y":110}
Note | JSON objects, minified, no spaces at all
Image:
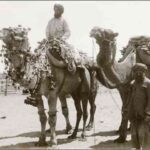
{"x":93,"y":48}
{"x":117,"y":105}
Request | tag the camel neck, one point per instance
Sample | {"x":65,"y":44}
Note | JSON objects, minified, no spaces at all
{"x":105,"y":59}
{"x":107,"y":53}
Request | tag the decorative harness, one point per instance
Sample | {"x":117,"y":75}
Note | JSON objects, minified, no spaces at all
{"x":53,"y":47}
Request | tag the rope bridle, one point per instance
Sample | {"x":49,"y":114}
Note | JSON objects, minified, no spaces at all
{"x":45,"y":46}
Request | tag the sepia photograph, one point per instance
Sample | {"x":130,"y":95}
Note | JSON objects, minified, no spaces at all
{"x":74,"y":75}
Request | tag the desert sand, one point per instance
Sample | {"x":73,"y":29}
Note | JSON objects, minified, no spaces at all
{"x":20,"y":126}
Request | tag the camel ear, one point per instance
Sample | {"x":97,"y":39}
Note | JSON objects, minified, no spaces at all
{"x":116,"y":34}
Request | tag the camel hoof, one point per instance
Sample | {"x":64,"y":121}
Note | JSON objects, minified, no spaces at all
{"x":119,"y":140}
{"x":41,"y":144}
{"x":83,"y":137}
{"x":53,"y":143}
{"x":89,"y":128}
{"x":54,"y":146}
{"x":68,"y":130}
{"x":73,"y":136}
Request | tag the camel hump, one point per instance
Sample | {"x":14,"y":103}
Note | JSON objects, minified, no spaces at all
{"x":140,"y":45}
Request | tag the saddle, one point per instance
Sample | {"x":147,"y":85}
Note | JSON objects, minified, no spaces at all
{"x":74,"y":59}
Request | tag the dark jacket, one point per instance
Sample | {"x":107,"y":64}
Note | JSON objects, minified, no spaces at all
{"x":139,"y":100}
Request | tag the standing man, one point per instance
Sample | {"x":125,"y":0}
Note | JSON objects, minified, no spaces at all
{"x":139,"y":107}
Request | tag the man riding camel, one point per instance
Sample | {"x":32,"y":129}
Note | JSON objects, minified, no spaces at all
{"x":58,"y":30}
{"x":58,"y":27}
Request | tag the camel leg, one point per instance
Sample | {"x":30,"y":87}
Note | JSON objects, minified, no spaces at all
{"x":52,"y":102}
{"x":122,"y":129}
{"x":85,"y":114}
{"x":43,"y":120}
{"x":79,"y":115}
{"x":92,"y":96}
{"x":124,"y":121}
{"x":65,"y":113}
{"x":92,"y":112}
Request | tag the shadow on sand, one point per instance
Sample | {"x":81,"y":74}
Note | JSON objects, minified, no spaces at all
{"x":110,"y":145}
{"x":31,"y":145}
{"x":32,"y":134}
{"x":102,"y":145}
{"x":105,"y":133}
{"x":35,"y":134}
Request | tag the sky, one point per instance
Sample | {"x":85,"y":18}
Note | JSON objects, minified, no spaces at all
{"x":128,"y":18}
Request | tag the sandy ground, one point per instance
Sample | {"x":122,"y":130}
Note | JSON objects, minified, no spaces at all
{"x":20,"y":126}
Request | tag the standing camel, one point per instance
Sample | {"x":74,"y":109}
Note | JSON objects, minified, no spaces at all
{"x":22,"y":70}
{"x":117,"y":74}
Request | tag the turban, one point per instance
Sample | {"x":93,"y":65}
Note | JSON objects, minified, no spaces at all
{"x":140,"y":67}
{"x":60,"y":7}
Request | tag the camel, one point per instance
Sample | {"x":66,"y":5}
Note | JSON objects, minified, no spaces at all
{"x":117,"y":74}
{"x":140,"y":46}
{"x":21,"y":69}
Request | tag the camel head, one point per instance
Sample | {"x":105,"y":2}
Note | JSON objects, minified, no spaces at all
{"x":140,"y":45}
{"x":101,"y":34}
{"x":105,"y":38}
{"x":16,"y":50}
{"x":139,"y":40}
